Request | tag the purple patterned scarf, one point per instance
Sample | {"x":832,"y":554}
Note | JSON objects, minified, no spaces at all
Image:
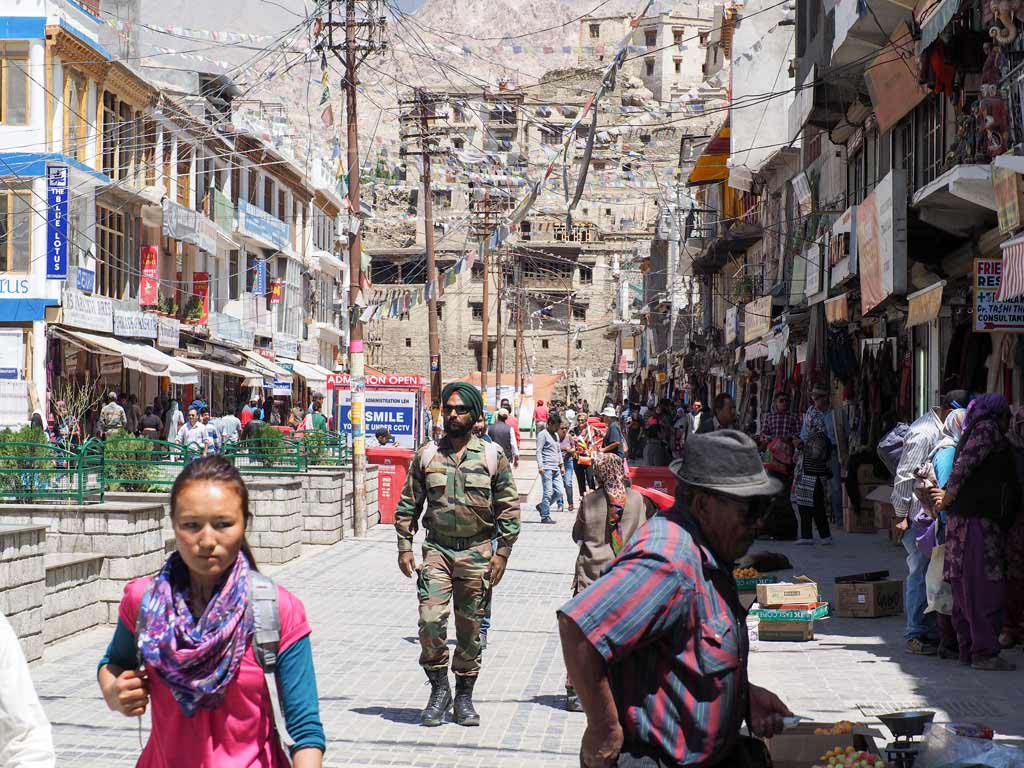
{"x":196,"y":659}
{"x":982,"y":434}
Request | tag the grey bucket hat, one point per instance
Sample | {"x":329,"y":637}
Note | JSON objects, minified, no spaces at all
{"x":727,"y":462}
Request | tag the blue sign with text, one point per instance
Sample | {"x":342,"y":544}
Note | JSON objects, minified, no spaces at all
{"x":56,"y":222}
{"x":85,"y":280}
{"x":259,"y":278}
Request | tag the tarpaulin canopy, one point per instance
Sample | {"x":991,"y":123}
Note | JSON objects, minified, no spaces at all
{"x":267,"y":368}
{"x":134,"y":356}
{"x":712,"y":165}
{"x":252,"y":379}
{"x":925,"y":304}
{"x":1012,"y":284}
{"x":308,"y":371}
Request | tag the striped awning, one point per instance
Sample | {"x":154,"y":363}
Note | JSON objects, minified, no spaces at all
{"x":934,"y":19}
{"x":1012,"y":284}
{"x":925,"y":304}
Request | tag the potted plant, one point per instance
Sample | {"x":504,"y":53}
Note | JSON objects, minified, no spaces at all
{"x":194,"y":310}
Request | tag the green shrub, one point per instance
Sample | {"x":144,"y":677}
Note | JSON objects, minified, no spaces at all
{"x":25,"y":455}
{"x":129,"y":464}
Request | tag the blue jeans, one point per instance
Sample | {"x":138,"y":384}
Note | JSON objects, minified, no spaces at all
{"x":551,"y":489}
{"x":920,"y":625}
{"x":567,"y":479}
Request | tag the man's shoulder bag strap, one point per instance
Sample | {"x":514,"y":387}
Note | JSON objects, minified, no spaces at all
{"x":491,"y":453}
{"x":265,"y":642}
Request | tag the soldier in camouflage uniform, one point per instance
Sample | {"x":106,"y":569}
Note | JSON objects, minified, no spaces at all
{"x":471,"y":498}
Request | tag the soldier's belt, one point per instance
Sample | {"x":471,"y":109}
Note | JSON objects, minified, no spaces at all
{"x":459,"y":544}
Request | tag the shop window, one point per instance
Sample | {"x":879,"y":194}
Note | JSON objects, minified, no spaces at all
{"x":649,"y":67}
{"x":595,"y":31}
{"x":14,"y":84}
{"x":477,"y":310}
{"x":111,"y":253}
{"x":544,"y":344}
{"x":15,"y":232}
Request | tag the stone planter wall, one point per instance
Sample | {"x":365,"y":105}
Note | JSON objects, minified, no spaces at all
{"x":74,"y":585}
{"x":23,"y":583}
{"x":277,"y":527}
{"x":323,"y":498}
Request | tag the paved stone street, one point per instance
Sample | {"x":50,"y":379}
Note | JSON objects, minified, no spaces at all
{"x":363,"y":614}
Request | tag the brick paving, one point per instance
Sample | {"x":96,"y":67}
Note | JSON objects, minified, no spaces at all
{"x":364,"y":617}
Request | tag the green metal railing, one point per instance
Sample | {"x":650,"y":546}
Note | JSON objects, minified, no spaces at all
{"x":143,"y":465}
{"x":45,"y":472}
{"x":321,"y":448}
{"x":261,"y":454}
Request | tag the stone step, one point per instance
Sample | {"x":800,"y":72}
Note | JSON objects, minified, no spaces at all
{"x":73,"y":601}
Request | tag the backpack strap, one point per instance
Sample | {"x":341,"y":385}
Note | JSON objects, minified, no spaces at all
{"x":265,"y":641}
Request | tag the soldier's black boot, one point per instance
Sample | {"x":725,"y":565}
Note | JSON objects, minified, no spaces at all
{"x":440,"y":698}
{"x":465,"y":714}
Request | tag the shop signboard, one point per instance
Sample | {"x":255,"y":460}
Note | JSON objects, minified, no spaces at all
{"x":276,"y":291}
{"x":230,"y":328}
{"x":1009,"y":203}
{"x":168,"y":332}
{"x":991,"y":315}
{"x":85,"y":279}
{"x":149,"y":279}
{"x":394,"y":410}
{"x":12,"y":353}
{"x":14,"y":286}
{"x":893,"y":79}
{"x":343,"y":381}
{"x":309,"y":352}
{"x":259,"y":277}
{"x":259,"y":224}
{"x":842,"y":247}
{"x":757,"y":319}
{"x":731,"y":323}
{"x":802,"y":190}
{"x":813,"y":282}
{"x":286,"y":346}
{"x":201,"y":289}
{"x":56,"y":222}
{"x":93,"y":313}
{"x":135,"y":325}
{"x":882,"y":241}
{"x":188,"y":226}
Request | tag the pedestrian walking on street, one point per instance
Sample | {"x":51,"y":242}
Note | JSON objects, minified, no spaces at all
{"x":982,"y":497}
{"x":513,"y":422}
{"x":657,"y":647}
{"x":920,"y":441}
{"x":26,"y":740}
{"x":540,"y":417}
{"x":112,"y":417}
{"x":568,"y":446}
{"x":174,"y":420}
{"x":471,"y":498}
{"x":185,"y":647}
{"x":230,"y":428}
{"x":550,"y":467}
{"x":779,"y":423}
{"x":813,"y":468}
{"x":613,"y":439}
{"x":607,"y":519}
{"x":501,"y":432}
{"x":194,"y":436}
{"x":151,"y":426}
{"x":583,"y":455}
{"x":251,"y":411}
{"x":212,"y":431}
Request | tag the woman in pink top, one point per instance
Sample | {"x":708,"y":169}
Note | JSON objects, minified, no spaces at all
{"x":191,"y":626}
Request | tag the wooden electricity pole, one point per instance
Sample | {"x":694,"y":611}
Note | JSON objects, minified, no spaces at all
{"x":499,"y":366}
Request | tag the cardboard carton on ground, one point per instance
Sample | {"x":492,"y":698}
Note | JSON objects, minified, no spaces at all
{"x":868,"y":600}
{"x":785,"y":631}
{"x":799,"y":747}
{"x":859,"y":520}
{"x":881,"y":500}
{"x":800,"y":590}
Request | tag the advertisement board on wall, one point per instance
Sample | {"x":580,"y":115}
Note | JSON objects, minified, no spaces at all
{"x":991,"y":315}
{"x":842,"y":247}
{"x":149,"y":279}
{"x":93,"y":313}
{"x":731,"y":324}
{"x":757,"y":319}
{"x":395,"y":410}
{"x":136,"y":325}
{"x":882,"y":241}
{"x":12,"y":353}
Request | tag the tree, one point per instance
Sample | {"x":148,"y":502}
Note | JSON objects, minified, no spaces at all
{"x":80,"y":398}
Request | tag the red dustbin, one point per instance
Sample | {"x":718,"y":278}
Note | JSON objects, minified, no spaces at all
{"x":655,"y":478}
{"x":392,"y":467}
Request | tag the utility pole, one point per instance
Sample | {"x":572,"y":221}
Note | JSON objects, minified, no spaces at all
{"x":352,"y":52}
{"x":499,"y":367}
{"x":418,"y":130}
{"x":486,"y":211}
{"x":520,"y":306}
{"x":485,"y":347}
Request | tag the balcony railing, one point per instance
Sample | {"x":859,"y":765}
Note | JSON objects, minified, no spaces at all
{"x":701,"y":224}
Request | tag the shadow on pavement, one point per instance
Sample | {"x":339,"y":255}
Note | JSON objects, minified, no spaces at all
{"x":393,"y":714}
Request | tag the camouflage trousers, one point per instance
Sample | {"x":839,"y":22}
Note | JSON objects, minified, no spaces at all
{"x":447,"y":576}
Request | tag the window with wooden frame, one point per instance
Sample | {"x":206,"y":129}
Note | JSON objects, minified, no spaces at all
{"x":166,"y":162}
{"x":75,"y":132}
{"x":15,"y":231}
{"x":268,"y":195}
{"x":111,"y":252}
{"x":148,"y":151}
{"x":931,"y":138}
{"x":184,"y":174}
{"x":110,"y":134}
{"x":125,"y":140}
{"x":253,"y":187}
{"x":236,"y":182}
{"x":14,"y":87}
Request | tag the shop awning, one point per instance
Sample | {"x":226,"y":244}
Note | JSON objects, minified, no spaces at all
{"x":134,"y":356}
{"x":925,"y":304}
{"x":265,"y":367}
{"x":755,"y":351}
{"x":712,"y":165}
{"x":308,"y":371}
{"x":837,"y":310}
{"x":252,"y":379}
{"x":941,"y":13}
{"x":1012,"y":284}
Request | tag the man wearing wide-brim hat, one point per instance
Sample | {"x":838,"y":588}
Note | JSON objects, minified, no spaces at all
{"x":657,"y":647}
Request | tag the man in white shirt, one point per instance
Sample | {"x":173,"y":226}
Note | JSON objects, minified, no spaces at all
{"x":25,"y":737}
{"x":194,"y":434}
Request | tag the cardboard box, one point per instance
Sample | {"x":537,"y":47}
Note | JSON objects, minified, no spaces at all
{"x":859,"y":520}
{"x":805,"y":612}
{"x":801,"y":590}
{"x":881,"y":502}
{"x":799,"y":747}
{"x":869,"y":600}
{"x":785,"y":631}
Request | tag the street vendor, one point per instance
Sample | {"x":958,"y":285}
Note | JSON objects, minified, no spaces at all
{"x":657,"y":647}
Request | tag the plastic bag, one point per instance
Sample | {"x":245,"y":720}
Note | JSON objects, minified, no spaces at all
{"x":939,"y":592}
{"x":945,"y":748}
{"x":924,"y":482}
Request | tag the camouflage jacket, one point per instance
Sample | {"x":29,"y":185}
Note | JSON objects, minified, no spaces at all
{"x":463,"y":500}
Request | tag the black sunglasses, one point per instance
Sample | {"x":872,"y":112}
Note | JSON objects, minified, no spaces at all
{"x":755,"y":508}
{"x":462,"y":410}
